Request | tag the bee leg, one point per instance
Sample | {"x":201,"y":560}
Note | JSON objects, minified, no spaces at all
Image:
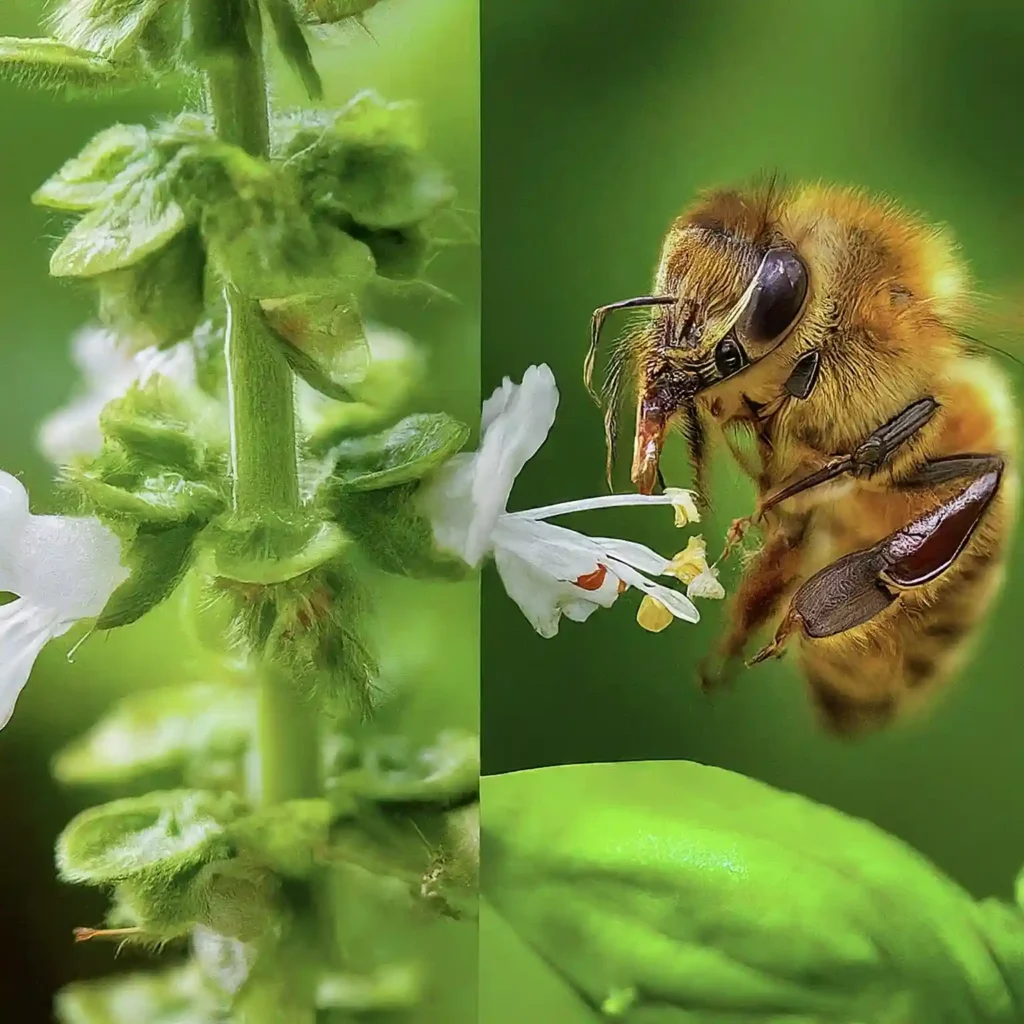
{"x":769,"y":577}
{"x":858,"y":586}
{"x":867,"y":458}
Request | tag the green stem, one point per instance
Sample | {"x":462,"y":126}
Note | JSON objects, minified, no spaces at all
{"x":260,"y":388}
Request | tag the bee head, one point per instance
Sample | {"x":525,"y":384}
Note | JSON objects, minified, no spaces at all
{"x":728,"y":291}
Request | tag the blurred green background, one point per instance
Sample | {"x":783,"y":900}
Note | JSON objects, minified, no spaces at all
{"x":600,"y":122}
{"x":409,"y":41}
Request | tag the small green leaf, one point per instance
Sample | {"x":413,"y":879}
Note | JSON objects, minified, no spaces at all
{"x":164,"y":834}
{"x":167,"y":729}
{"x":445,"y":772}
{"x":50,"y":64}
{"x":293,"y":45}
{"x":406,"y":452}
{"x":177,"y":996}
{"x":289,"y":838}
{"x":121,"y":233}
{"x":106,"y":27}
{"x":84,"y":181}
{"x":160,"y":500}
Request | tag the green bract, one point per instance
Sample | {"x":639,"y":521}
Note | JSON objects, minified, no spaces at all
{"x":671,"y":891}
{"x":406,"y":452}
{"x":176,"y":728}
{"x":390,"y":529}
{"x":158,"y":559}
{"x":160,"y":835}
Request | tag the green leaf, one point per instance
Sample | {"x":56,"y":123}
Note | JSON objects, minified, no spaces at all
{"x":161,"y":835}
{"x":445,"y":772}
{"x":682,"y":893}
{"x":293,"y":45}
{"x":120,"y":234}
{"x":84,"y":181}
{"x":177,"y":996}
{"x":406,"y":452}
{"x":517,"y":984}
{"x":106,"y":27}
{"x":173,"y":728}
{"x":288,"y":838}
{"x":50,"y":64}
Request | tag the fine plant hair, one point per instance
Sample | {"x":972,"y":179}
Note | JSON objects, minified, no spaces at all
{"x":263,"y":815}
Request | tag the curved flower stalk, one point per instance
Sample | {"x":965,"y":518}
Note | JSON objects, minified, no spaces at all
{"x":62,"y":569}
{"x":548,"y":570}
{"x":109,"y":367}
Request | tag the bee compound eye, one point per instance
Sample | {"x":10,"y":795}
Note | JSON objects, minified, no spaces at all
{"x":778,"y":296}
{"x":729,"y":357}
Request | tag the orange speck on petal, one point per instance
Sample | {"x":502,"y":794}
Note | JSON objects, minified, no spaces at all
{"x":593,"y":580}
{"x":621,"y":587}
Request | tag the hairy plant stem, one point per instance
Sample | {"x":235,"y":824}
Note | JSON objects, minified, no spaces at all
{"x":261,"y":396}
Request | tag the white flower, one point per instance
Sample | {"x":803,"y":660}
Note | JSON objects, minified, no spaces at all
{"x":109,"y":369}
{"x":549,"y":571}
{"x":62,"y":569}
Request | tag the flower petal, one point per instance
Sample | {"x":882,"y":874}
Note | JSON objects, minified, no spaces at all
{"x":706,"y":585}
{"x":68,"y":564}
{"x":446,"y":499}
{"x":25,"y":629}
{"x":511,"y":438}
{"x":637,"y":555}
{"x":516,"y":420}
{"x":541,"y":598}
{"x":73,"y":430}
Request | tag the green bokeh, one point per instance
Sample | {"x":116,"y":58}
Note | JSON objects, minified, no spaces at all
{"x":408,"y":41}
{"x":601,"y":121}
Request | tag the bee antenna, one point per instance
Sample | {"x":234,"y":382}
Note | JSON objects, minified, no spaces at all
{"x":988,"y":347}
{"x":597,"y":322}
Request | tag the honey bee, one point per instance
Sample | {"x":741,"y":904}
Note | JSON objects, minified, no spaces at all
{"x":818,"y":332}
